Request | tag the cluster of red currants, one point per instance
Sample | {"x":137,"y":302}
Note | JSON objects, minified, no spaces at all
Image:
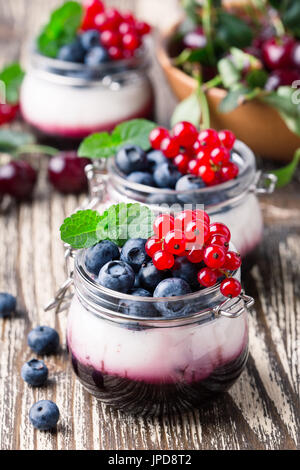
{"x":191,"y":234}
{"x":120,"y":33}
{"x":8,"y":112}
{"x":204,"y":154}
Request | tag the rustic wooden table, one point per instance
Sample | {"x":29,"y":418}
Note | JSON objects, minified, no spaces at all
{"x":261,"y":411}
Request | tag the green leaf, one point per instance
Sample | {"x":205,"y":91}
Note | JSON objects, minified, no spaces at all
{"x":257,"y":78}
{"x":232,"y":31}
{"x":61,"y":29}
{"x":12,"y":76}
{"x":104,"y":145}
{"x":188,"y":110}
{"x":118,"y":223}
{"x":291,"y":16}
{"x":80,"y":230}
{"x":283,"y":100}
{"x":285,"y":174}
{"x":229,"y":72}
{"x":11,"y":140}
{"x":233,"y":99}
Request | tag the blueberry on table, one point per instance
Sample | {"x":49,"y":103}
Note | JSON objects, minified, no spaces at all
{"x":134,"y":253}
{"x":172,"y":287}
{"x":134,"y":308}
{"x":96,"y":56}
{"x":100,"y":254}
{"x":44,"y":415}
{"x":156,"y":158}
{"x":43,"y":340}
{"x":73,"y":52}
{"x":117,"y":275}
{"x":131,"y":158}
{"x":149,"y":276}
{"x":166,"y":176}
{"x":141,"y":177}
{"x":34,"y":372}
{"x":8,"y":304}
{"x":89,"y":39}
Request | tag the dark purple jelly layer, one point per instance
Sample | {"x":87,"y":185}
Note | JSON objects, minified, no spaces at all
{"x":139,"y":397}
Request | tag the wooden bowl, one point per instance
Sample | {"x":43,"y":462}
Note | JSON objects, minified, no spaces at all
{"x":255,"y":123}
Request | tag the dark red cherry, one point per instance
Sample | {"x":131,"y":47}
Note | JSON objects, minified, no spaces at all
{"x":8,"y":113}
{"x":66,"y":172}
{"x":18,"y":179}
{"x":195,"y":39}
{"x":276,"y":52}
{"x":282,"y":77}
{"x":295,"y":55}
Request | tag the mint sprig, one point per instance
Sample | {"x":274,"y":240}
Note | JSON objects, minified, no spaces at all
{"x":286,"y":173}
{"x":12,"y":76}
{"x":118,"y":223}
{"x":105,"y":145}
{"x":61,"y":29}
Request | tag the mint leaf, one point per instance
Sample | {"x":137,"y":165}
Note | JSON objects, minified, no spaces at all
{"x":80,"y":229}
{"x":104,"y":145}
{"x":11,"y":140}
{"x":61,"y":29}
{"x":233,"y":99}
{"x":118,"y":223}
{"x":188,"y":110}
{"x":283,"y":101}
{"x":229,"y":72}
{"x":285,"y":174}
{"x":12,"y":76}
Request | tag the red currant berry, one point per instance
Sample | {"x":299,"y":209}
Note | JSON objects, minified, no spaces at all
{"x":209,"y":138}
{"x":142,"y":28}
{"x":163,"y":224}
{"x":230,"y":287}
{"x":195,"y":255}
{"x":183,"y":219}
{"x":197,"y":231}
{"x":193,"y":166}
{"x":220,"y":229}
{"x":115,"y":53}
{"x":207,"y":277}
{"x":201,"y":215}
{"x":128,"y":17}
{"x":153,"y":245}
{"x":18,"y":179}
{"x":114,"y":17}
{"x":66,"y":172}
{"x":233,"y":261}
{"x":156,"y":136}
{"x":163,"y":260}
{"x":170,"y":147}
{"x":229,"y":171}
{"x":101,"y":22}
{"x":131,"y":41}
{"x":214,"y":256}
{"x":92,"y":9}
{"x":175,"y":242}
{"x":185,"y":133}
{"x":219,"y":155}
{"x":110,"y":38}
{"x":227,"y":138}
{"x":217,"y":179}
{"x":125,"y":28}
{"x":203,"y":156}
{"x":206,"y":173}
{"x":220,"y":241}
{"x":181,"y":161}
{"x":8,"y":113}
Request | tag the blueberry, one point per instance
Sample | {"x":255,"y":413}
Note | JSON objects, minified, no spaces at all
{"x":96,"y":56}
{"x":149,"y":276}
{"x":172,"y":287}
{"x":156,"y":158}
{"x":141,"y":177}
{"x":183,"y":269}
{"x":134,"y":253}
{"x":100,"y":254}
{"x":190,"y":183}
{"x":90,"y":39}
{"x":44,"y":415}
{"x":73,"y":52}
{"x":138,"y":309}
{"x":34,"y":372}
{"x":43,"y":340}
{"x":117,"y":275}
{"x":8,"y":304}
{"x":166,"y":175}
{"x":131,"y":158}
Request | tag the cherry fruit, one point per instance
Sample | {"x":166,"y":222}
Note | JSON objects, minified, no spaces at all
{"x":66,"y":172}
{"x":18,"y":179}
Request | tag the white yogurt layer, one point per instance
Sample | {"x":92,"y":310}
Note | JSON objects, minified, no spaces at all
{"x":163,"y":355}
{"x":59,"y":109}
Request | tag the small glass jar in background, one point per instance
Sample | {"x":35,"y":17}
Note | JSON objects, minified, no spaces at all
{"x":152,"y":366}
{"x":68,"y":101}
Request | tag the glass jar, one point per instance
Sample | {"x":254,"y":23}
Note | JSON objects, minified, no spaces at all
{"x":70,"y":101}
{"x":234,"y":203}
{"x":155,"y":365}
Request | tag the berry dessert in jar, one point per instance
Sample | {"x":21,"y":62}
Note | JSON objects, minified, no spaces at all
{"x":91,"y":77}
{"x":183,"y":168}
{"x":158,"y":322}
